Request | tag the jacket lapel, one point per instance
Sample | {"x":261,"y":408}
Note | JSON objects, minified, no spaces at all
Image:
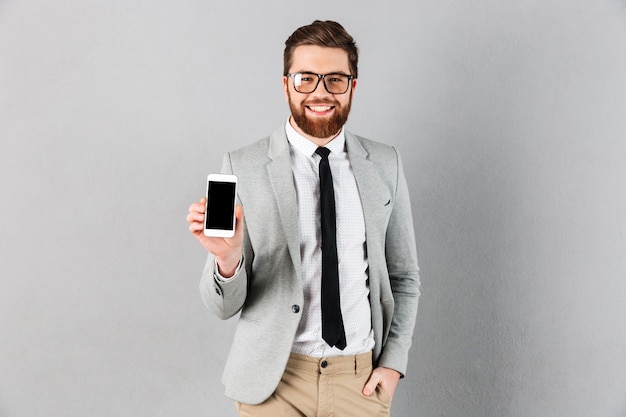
{"x":374,"y":196}
{"x":281,"y":178}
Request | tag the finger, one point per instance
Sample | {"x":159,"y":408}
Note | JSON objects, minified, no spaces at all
{"x":195,"y":217}
{"x":198,"y":205}
{"x":239,"y":219}
{"x":197,"y":208}
{"x":196,"y":227}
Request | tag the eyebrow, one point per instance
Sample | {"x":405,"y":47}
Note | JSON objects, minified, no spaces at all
{"x":314,"y":72}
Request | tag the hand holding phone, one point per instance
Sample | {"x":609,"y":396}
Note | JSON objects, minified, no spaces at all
{"x":227,"y":250}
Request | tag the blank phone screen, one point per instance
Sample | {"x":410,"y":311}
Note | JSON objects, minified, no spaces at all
{"x":220,"y":205}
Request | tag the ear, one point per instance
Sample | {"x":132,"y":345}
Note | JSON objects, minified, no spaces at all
{"x":286,"y":87}
{"x":354,"y":84}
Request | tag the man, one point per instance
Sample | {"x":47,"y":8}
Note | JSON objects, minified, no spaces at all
{"x":324,"y":269}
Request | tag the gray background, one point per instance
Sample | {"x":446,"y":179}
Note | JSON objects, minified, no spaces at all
{"x":511,"y":120}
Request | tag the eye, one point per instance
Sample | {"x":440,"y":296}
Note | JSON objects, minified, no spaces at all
{"x":336,"y":78}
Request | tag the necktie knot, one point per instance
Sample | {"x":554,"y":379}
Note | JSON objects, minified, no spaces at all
{"x":323,"y":152}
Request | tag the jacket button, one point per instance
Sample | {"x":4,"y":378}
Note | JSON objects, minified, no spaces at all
{"x":295,"y":308}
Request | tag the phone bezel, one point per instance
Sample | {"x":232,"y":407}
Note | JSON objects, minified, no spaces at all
{"x":220,"y":178}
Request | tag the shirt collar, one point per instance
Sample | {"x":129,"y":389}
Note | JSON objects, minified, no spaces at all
{"x":305,"y":146}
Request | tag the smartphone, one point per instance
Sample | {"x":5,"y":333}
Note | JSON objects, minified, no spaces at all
{"x":221,"y":193}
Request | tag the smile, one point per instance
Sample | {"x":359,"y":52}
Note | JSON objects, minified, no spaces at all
{"x":320,"y":109}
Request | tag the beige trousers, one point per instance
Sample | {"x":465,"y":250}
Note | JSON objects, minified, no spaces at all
{"x":327,"y":387}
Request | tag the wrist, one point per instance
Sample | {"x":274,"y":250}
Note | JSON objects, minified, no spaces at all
{"x":227,"y":266}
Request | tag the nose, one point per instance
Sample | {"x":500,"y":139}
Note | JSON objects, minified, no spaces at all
{"x":320,"y":89}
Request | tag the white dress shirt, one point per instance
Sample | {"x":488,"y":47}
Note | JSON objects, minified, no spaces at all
{"x":351,"y":253}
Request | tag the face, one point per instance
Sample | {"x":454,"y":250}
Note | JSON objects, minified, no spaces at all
{"x":319,"y":115}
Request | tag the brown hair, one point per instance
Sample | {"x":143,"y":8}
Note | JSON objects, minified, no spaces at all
{"x":322,"y":33}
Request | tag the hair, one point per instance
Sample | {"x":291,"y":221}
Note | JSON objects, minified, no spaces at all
{"x":322,"y":33}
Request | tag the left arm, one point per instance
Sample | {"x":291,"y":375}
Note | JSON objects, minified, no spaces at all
{"x":401,"y":258}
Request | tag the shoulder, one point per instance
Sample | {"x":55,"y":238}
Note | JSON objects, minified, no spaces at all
{"x":371,"y":149}
{"x":263,"y":149}
{"x":252,"y":151}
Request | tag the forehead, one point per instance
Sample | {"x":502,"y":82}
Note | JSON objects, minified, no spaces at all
{"x":319,"y":59}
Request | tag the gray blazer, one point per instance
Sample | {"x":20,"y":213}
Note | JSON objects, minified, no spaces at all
{"x":267,"y":289}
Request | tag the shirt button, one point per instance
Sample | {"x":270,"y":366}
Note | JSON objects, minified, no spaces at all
{"x":324,"y":364}
{"x":295,"y":308}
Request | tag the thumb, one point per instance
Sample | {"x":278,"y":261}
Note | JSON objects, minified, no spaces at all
{"x":371,"y":385}
{"x":238,"y":219}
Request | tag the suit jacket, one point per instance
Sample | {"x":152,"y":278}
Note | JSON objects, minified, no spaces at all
{"x":267,"y":289}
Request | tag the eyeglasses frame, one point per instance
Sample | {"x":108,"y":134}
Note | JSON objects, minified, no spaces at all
{"x":319,"y":78}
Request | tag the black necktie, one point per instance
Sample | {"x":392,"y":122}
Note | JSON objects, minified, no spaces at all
{"x":332,"y":322}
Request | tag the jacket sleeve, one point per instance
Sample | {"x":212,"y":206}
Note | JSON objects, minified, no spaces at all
{"x":403,"y":269}
{"x":223,"y":297}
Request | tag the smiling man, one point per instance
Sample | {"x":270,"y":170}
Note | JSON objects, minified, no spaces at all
{"x":324,"y":269}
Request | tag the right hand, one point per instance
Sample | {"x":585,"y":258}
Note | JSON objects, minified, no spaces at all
{"x":227,"y":251}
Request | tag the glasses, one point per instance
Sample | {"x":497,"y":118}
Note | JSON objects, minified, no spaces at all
{"x":307,"y":82}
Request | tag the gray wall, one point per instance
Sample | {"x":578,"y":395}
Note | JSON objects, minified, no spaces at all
{"x":511,"y":120}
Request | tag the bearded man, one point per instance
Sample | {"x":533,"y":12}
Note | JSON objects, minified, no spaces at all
{"x":324,"y":268}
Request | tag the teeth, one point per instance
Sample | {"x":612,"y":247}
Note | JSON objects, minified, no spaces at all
{"x":320,"y":109}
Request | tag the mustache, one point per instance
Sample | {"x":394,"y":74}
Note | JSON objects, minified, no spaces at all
{"x":316,"y":102}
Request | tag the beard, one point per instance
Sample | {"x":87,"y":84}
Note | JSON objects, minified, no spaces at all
{"x":320,"y":128}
